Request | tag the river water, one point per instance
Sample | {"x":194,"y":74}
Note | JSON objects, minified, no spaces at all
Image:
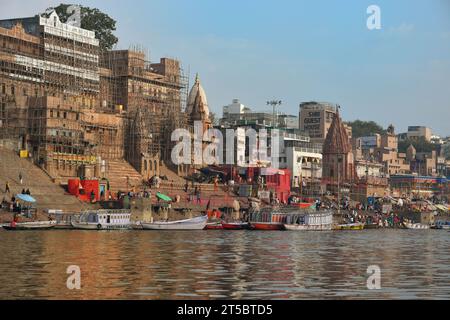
{"x":414,"y":264}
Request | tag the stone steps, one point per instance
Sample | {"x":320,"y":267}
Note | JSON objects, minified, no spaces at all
{"x":122,"y":176}
{"x":47,"y":194}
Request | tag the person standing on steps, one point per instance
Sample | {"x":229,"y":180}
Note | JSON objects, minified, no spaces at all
{"x":20,"y":178}
{"x":198,"y":195}
{"x":7,"y":189}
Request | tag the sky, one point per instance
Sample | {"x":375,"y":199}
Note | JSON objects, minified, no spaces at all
{"x":295,"y":51}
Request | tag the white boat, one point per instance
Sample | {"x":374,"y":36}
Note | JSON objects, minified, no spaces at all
{"x":198,"y":223}
{"x":37,"y":225}
{"x":410,"y":225}
{"x":320,"y":221}
{"x":103,"y":220}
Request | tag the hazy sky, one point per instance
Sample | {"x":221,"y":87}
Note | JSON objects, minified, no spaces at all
{"x":295,"y":51}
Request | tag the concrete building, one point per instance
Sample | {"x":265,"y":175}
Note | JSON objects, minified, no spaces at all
{"x":316,"y":118}
{"x":296,"y":153}
{"x":383,"y":149}
{"x":236,"y":107}
{"x":416,"y":132}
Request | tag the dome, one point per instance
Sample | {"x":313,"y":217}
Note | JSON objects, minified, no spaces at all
{"x":197,"y":102}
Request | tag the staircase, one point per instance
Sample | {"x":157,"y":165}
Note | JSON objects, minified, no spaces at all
{"x":171,"y":175}
{"x":122,"y":176}
{"x":48,"y":195}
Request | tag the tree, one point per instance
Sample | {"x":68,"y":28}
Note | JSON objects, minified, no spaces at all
{"x":213,"y":118}
{"x":420,"y":144}
{"x":446,"y":150}
{"x":94,"y":20}
{"x":365,"y":128}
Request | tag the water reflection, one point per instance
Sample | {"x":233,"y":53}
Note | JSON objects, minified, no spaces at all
{"x":221,"y":264}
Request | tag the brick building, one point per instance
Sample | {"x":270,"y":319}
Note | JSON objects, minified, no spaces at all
{"x":76,"y":109}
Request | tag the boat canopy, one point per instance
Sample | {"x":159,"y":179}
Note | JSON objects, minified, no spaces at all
{"x":163,"y":197}
{"x":26,"y":198}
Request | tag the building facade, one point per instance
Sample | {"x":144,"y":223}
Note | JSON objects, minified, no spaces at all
{"x":73,"y":107}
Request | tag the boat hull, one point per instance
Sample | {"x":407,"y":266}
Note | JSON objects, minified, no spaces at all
{"x":303,"y":227}
{"x":92,"y":226}
{"x":214,"y":226}
{"x":44,"y":225}
{"x":416,"y":226}
{"x":235,"y":226}
{"x":268,"y":226}
{"x":351,"y":226}
{"x":189,"y":224}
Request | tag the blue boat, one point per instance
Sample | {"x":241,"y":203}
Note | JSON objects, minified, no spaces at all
{"x":442,"y":225}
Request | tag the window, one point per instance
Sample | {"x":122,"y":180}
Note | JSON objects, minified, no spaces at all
{"x":13,"y":90}
{"x":25,"y":93}
{"x":2,"y":110}
{"x":3,"y":88}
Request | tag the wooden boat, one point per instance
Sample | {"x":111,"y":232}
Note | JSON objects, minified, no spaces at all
{"x":410,"y":225}
{"x":38,"y":225}
{"x":214,"y":226}
{"x":267,"y":226}
{"x":63,"y":221}
{"x":198,"y":223}
{"x":372,"y":226}
{"x":235,"y":225}
{"x":441,"y":225}
{"x":103,"y":220}
{"x":318,"y":221}
{"x":349,"y":226}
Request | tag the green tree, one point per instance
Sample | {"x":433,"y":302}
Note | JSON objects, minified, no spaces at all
{"x":446,"y":150}
{"x":365,"y":128}
{"x":421,"y":145}
{"x":94,"y":20}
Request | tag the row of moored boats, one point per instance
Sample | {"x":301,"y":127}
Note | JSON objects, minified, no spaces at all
{"x":121,"y":220}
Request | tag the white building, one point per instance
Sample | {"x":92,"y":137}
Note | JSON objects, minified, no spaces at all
{"x":236,"y":107}
{"x":302,"y":158}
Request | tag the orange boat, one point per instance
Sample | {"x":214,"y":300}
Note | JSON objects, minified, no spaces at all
{"x":267,"y":226}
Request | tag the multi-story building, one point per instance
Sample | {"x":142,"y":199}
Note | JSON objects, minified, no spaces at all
{"x":71,"y":106}
{"x":296,"y":152}
{"x":149,"y":94}
{"x":417,"y":186}
{"x":416,"y":132}
{"x":316,"y":118}
{"x":48,"y":77}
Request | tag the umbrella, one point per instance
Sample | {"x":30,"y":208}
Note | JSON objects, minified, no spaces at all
{"x":26,"y":198}
{"x":163,"y":197}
